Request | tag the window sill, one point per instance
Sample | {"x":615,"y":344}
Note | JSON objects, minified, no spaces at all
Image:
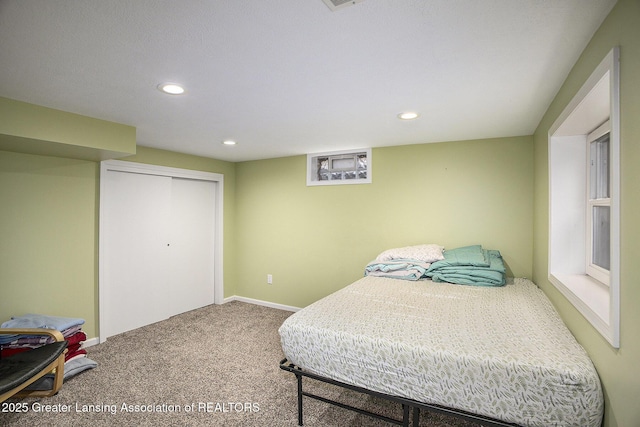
{"x":591,"y":298}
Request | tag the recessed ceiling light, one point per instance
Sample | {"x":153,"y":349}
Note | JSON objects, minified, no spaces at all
{"x":171,"y":88}
{"x":229,"y":142}
{"x":408,"y":115}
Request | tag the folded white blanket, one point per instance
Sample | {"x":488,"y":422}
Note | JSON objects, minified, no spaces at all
{"x":407,"y":269}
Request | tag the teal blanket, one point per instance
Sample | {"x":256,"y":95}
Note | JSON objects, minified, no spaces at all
{"x":469,"y":265}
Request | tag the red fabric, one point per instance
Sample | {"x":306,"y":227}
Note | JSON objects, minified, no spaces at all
{"x":76,"y":338}
{"x":73,"y":346}
{"x":75,"y":353}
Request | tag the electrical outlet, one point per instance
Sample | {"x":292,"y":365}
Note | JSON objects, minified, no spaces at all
{"x":269,"y":279}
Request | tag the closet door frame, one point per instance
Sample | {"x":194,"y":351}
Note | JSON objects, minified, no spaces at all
{"x":141,"y":168}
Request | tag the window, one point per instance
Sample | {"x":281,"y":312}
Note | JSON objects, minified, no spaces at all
{"x":598,"y":205}
{"x":584,"y":200}
{"x":339,"y":167}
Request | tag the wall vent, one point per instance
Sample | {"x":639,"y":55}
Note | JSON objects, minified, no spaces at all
{"x":339,"y":4}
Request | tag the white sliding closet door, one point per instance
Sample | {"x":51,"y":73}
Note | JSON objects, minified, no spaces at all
{"x":136,"y":252}
{"x":157,"y":247}
{"x":192,"y":235}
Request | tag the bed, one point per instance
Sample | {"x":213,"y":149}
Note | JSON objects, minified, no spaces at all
{"x":495,"y":353}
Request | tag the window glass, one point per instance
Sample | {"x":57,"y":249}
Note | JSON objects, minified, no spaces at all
{"x":323,"y":163}
{"x":601,"y":240}
{"x":599,"y":168}
{"x":362,"y":161}
{"x":343,"y":163}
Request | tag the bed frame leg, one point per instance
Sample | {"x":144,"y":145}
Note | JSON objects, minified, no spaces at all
{"x":405,"y":415}
{"x":299,"y":377}
{"x":416,"y":416}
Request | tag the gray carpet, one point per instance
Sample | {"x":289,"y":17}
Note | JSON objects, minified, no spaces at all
{"x":216,"y":366}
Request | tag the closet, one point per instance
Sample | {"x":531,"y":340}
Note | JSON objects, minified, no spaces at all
{"x":158,"y":243}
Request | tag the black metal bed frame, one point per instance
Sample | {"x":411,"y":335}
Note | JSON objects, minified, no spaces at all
{"x":407,"y":404}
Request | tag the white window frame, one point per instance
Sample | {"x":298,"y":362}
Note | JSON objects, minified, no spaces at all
{"x":312,"y":168}
{"x":593,"y":270}
{"x":596,"y":300}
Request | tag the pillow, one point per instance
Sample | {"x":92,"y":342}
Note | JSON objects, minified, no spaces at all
{"x":424,"y":253}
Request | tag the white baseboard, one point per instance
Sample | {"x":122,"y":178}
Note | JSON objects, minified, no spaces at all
{"x":260,"y":302}
{"x":91,"y":342}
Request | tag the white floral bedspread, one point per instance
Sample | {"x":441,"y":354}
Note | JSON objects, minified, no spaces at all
{"x":501,"y":352}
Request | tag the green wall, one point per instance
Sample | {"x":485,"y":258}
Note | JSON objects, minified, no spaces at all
{"x":619,"y":369}
{"x":48,"y":229}
{"x":315,"y":240}
{"x":34,"y":129}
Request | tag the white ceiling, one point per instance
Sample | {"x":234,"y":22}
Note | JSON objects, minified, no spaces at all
{"x":288,"y":77}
